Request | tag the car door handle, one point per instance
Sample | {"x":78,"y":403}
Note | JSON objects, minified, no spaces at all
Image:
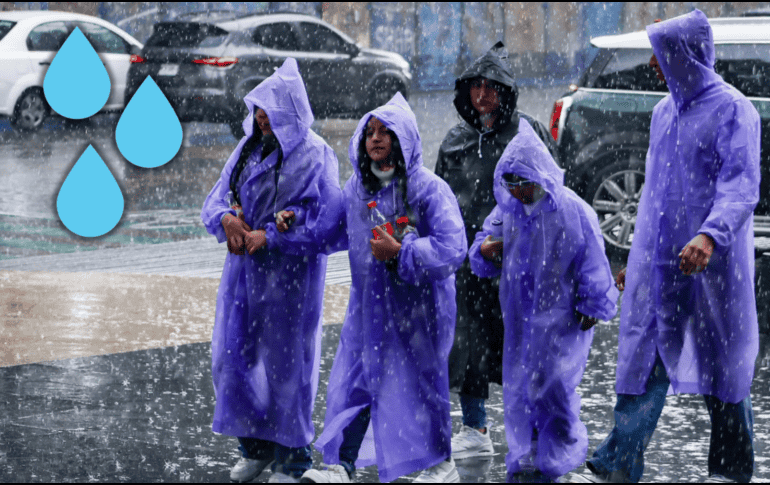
{"x":44,"y":63}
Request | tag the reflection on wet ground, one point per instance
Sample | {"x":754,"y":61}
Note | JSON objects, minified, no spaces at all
{"x":146,"y":416}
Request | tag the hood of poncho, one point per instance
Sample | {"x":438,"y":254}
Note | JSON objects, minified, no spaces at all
{"x":492,"y":65}
{"x":528,"y":157}
{"x":398,"y":117}
{"x":684,"y":47}
{"x":284,"y":99}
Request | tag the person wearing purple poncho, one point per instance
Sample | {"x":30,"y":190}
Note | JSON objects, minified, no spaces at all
{"x":388,"y":393}
{"x":688,"y":318}
{"x":266,"y":344}
{"x":555,"y":282}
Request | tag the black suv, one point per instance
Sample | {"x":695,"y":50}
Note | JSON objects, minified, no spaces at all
{"x":602,"y":126}
{"x":206,"y":66}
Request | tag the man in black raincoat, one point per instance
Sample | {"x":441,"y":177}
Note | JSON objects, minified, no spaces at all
{"x":485,"y":97}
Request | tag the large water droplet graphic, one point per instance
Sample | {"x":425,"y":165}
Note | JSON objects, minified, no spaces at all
{"x":149,"y":133}
{"x":90,"y":202}
{"x":77,"y":84}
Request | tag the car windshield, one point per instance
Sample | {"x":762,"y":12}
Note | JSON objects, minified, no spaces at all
{"x":186,"y":34}
{"x":745,"y":66}
{"x":5,"y":27}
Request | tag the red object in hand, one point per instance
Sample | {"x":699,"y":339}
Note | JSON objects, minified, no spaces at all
{"x":388,"y":227}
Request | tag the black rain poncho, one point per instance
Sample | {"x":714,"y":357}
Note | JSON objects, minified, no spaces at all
{"x":466,"y":161}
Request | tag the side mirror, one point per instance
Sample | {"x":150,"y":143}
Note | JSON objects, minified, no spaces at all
{"x":353,"y":50}
{"x":135,"y":50}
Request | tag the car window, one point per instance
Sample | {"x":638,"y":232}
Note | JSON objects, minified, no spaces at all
{"x":745,"y":66}
{"x":184,"y":34}
{"x":103,"y":40}
{"x":279,"y":36}
{"x":5,"y":27}
{"x":47,"y":37}
{"x":318,"y":38}
{"x":630,"y":69}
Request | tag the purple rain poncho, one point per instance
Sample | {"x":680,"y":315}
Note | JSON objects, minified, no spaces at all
{"x":266,"y":345}
{"x":553,"y":264}
{"x":398,"y":328}
{"x":702,"y":176}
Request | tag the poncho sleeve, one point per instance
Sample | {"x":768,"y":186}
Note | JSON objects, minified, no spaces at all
{"x":439,"y":253}
{"x":737,"y":185}
{"x":216,"y":206}
{"x":596,"y":292}
{"x":317,"y":213}
{"x":480,"y":266}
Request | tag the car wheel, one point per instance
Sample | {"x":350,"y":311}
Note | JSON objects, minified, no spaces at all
{"x":382,"y":91}
{"x":30,"y":111}
{"x":614,"y":194}
{"x":236,"y":128}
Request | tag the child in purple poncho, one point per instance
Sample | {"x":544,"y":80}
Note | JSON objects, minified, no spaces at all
{"x":555,"y":282}
{"x":388,"y":394}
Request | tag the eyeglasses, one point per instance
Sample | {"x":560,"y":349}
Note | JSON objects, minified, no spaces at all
{"x":513,"y":185}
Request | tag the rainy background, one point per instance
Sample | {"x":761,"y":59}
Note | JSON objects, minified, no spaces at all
{"x":105,"y":377}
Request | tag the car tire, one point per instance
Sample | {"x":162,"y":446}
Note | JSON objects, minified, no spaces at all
{"x":382,"y":91}
{"x":614,"y":194}
{"x":236,"y":128}
{"x":31,"y":110}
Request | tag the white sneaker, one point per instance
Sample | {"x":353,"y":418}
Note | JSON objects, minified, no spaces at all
{"x":329,"y":474}
{"x":247,"y":469}
{"x":471,"y":442}
{"x":278,"y":477}
{"x":444,"y":472}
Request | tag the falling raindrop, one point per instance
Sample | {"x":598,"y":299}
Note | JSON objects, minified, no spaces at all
{"x":149,"y":133}
{"x":76,"y":84}
{"x":90,"y":202}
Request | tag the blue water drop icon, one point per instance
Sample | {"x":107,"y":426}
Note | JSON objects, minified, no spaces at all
{"x":77,"y":84}
{"x":90,"y":202}
{"x":149,"y":133}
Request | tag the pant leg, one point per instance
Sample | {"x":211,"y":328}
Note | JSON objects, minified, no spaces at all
{"x":352,"y":437}
{"x":474,"y":411}
{"x":474,"y":356}
{"x":256,"y":449}
{"x":620,"y":458}
{"x":731,"y":450}
{"x":292,"y":461}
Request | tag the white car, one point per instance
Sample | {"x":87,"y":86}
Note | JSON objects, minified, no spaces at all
{"x":29,"y":40}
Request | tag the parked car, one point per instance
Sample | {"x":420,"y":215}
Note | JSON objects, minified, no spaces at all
{"x":206,"y":66}
{"x":602,"y":126}
{"x":29,"y":40}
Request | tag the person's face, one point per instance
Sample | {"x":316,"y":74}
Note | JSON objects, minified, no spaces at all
{"x":484,"y":97}
{"x":658,"y":71}
{"x":521,"y":188}
{"x":260,"y":118}
{"x":379,"y":144}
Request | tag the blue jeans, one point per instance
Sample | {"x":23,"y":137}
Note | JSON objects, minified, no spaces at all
{"x":352,"y":437}
{"x":289,"y":461}
{"x":474,"y":412}
{"x":620,"y":458}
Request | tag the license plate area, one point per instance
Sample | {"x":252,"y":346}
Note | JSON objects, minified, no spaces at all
{"x":168,"y":70}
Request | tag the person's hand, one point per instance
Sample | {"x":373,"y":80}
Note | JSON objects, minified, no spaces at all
{"x":386,"y":247}
{"x":696,"y":255}
{"x":586,"y":322}
{"x":235,"y":231}
{"x":620,"y":281}
{"x":255,"y":240}
{"x":492,"y":250}
{"x":284,"y":220}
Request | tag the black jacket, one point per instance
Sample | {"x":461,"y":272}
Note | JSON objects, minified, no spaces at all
{"x":467,"y":158}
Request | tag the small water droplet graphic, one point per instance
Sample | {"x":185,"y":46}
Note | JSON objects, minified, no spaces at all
{"x":76,"y":84}
{"x":90,"y":202}
{"x":149,"y":133}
